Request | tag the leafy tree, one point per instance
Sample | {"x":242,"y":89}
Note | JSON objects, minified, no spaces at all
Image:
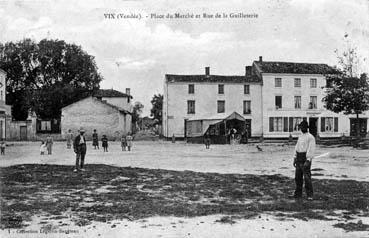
{"x":157,"y":107}
{"x":346,"y":92}
{"x":46,"y":76}
{"x":136,"y":113}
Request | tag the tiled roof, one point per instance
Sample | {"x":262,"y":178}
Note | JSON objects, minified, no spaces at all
{"x":109,"y":93}
{"x":294,"y":68}
{"x":212,"y":78}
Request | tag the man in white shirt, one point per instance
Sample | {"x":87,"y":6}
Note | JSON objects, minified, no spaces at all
{"x":304,"y":153}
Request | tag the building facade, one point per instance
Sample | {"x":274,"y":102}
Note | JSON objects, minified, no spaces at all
{"x":107,"y":111}
{"x":5,"y":110}
{"x":194,"y":102}
{"x":272,"y":97}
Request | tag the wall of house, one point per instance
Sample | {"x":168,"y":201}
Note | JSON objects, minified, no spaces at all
{"x":91,"y":114}
{"x":13,"y":129}
{"x":288,"y":91}
{"x":206,"y":97}
{"x":121,"y":102}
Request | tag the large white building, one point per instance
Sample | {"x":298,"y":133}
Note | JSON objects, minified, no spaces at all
{"x":5,"y":110}
{"x":270,"y":100}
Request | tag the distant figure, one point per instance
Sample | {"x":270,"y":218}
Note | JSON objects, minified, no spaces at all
{"x":207,"y":140}
{"x":173,"y":139}
{"x":259,"y":148}
{"x":304,"y":153}
{"x":232,"y":134}
{"x":49,"y":145}
{"x":69,"y":138}
{"x":2,"y":146}
{"x":104,"y":142}
{"x":80,"y":149}
{"x":246,"y":136}
{"x":95,"y":140}
{"x":129,"y":141}
{"x":123,"y":142}
{"x":43,"y":148}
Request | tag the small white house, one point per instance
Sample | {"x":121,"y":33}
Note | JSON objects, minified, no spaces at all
{"x":107,"y":111}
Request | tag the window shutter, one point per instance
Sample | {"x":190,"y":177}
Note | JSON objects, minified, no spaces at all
{"x":285,"y":124}
{"x":336,"y":124}
{"x":322,"y":124}
{"x":271,"y":124}
{"x":291,"y":124}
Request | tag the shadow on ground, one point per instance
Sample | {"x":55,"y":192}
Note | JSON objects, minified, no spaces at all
{"x":104,"y":193}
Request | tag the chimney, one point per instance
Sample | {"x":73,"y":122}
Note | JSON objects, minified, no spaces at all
{"x":128,"y":91}
{"x":260,"y":59}
{"x":248,"y":70}
{"x":207,"y":71}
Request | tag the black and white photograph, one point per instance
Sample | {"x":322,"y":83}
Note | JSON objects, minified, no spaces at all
{"x":195,"y":118}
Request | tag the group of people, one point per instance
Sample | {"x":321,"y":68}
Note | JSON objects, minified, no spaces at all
{"x":302,"y":159}
{"x":80,"y":148}
{"x":47,"y":146}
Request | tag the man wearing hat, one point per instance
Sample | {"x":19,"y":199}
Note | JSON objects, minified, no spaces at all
{"x":304,"y":153}
{"x":80,"y":148}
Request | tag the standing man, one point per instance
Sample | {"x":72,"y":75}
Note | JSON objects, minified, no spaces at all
{"x":80,"y":148}
{"x":304,"y":153}
{"x":95,"y":139}
{"x":49,"y":144}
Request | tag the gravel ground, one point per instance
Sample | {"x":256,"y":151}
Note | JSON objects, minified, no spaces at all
{"x":250,"y":195}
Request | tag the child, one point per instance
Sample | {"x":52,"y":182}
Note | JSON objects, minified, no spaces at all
{"x":2,"y":147}
{"x":43,"y":148}
{"x":123,"y":142}
{"x":104,"y":141}
{"x":129,"y":141}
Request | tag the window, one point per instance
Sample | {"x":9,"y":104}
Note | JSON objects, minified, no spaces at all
{"x":329,"y":124}
{"x":191,"y":107}
{"x":313,"y":102}
{"x":246,"y":107}
{"x":297,"y":102}
{"x":278,"y":102}
{"x":275,"y":124}
{"x":220,"y":88}
{"x":191,"y":89}
{"x":296,"y":123}
{"x":312,"y":83}
{"x":246,"y":89}
{"x":221,"y":106}
{"x":297,"y":83}
{"x":278,"y":82}
{"x":45,"y":125}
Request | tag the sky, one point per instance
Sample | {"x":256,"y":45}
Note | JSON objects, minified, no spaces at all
{"x":137,"y":53}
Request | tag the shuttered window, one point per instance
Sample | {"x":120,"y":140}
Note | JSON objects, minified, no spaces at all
{"x":285,"y":124}
{"x":271,"y":121}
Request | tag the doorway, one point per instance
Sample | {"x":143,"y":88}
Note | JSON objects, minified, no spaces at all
{"x":23,"y":133}
{"x":313,"y":126}
{"x":362,"y":126}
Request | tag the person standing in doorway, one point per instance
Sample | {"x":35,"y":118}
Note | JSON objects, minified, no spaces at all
{"x":95,"y":140}
{"x":303,"y":155}
{"x":129,"y":141}
{"x":104,"y":142}
{"x":69,"y":138}
{"x":49,"y":144}
{"x":80,"y":149}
